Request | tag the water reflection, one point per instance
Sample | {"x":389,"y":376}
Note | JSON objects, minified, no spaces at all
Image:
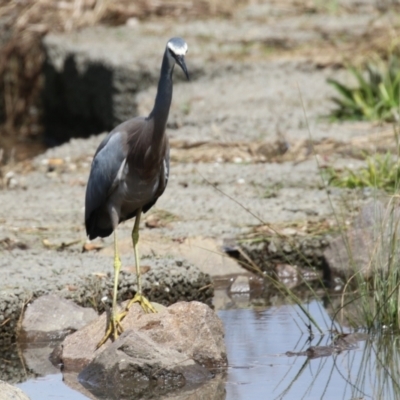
{"x":257,"y":344}
{"x":259,"y":367}
{"x":50,"y":387}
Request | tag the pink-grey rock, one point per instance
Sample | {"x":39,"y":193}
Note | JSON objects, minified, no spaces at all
{"x":135,"y":364}
{"x":52,"y":318}
{"x":10,"y":392}
{"x":190,"y":328}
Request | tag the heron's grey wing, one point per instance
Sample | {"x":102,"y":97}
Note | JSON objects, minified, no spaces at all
{"x":106,"y":163}
{"x":164,"y":175}
{"x":166,"y":170}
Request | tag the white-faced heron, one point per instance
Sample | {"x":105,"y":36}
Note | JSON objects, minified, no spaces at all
{"x":129,"y":173}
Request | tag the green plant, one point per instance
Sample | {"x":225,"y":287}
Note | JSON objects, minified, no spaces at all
{"x":376,"y":96}
{"x":382,"y":171}
{"x":371,"y":297}
{"x":378,"y":369}
{"x":381,"y":299}
{"x":329,"y":6}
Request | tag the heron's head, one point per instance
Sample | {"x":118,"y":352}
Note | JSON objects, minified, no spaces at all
{"x":177,"y":49}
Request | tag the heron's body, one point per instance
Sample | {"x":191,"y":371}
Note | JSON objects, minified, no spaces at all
{"x":129,"y":173}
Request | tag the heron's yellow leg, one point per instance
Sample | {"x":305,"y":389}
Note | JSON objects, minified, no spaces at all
{"x":139,"y":298}
{"x":114,"y":327}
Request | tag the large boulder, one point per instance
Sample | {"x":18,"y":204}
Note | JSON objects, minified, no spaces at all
{"x":179,"y":346}
{"x":190,"y":328}
{"x":10,"y":392}
{"x":136,"y":364}
{"x":51,"y":317}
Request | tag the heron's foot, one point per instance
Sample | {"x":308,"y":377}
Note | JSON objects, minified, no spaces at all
{"x":144,"y":303}
{"x":114,"y":329}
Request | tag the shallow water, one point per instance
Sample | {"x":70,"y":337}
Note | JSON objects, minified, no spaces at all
{"x":50,"y":387}
{"x":257,"y":341}
{"x":259,"y":368}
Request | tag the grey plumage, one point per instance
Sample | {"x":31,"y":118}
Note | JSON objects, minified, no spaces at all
{"x":131,"y":166}
{"x":125,"y":175}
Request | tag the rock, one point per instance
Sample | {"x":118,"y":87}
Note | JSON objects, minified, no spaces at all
{"x":240,"y":285}
{"x":191,"y":329}
{"x":286,"y":272}
{"x":167,"y":281}
{"x":52,"y":318}
{"x":135,"y":364}
{"x":288,"y":275}
{"x":10,"y":392}
{"x":164,"y":280}
{"x":71,"y":380}
{"x":368,"y":245}
{"x":179,"y":347}
{"x":295,"y":249}
{"x":205,"y":253}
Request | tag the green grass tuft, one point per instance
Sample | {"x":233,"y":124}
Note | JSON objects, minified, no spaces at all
{"x":376,"y":96}
{"x":382,"y":171}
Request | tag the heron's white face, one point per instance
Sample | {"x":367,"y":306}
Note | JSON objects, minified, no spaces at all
{"x":176,"y":51}
{"x":179,"y":49}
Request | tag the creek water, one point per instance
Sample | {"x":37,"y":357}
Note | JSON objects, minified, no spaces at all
{"x":257,"y":341}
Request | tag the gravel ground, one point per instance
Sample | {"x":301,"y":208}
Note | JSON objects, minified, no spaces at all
{"x":257,"y":98}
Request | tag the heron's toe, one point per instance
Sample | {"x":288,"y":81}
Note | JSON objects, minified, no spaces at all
{"x":114,"y":329}
{"x":144,"y":303}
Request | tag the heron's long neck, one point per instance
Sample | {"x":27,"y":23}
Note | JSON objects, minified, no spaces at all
{"x":163,"y":102}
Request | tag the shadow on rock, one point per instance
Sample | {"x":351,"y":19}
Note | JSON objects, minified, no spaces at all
{"x":179,"y":349}
{"x":136,"y":366}
{"x":51,"y":318}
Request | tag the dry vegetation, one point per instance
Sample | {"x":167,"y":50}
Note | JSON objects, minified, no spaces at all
{"x":22,"y":25}
{"x":278,"y":151}
{"x":24,"y":22}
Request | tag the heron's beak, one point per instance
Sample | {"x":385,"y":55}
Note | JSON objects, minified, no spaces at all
{"x":181,"y":62}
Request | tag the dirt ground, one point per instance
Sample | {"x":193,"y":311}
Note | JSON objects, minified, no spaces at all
{"x":242,"y":136}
